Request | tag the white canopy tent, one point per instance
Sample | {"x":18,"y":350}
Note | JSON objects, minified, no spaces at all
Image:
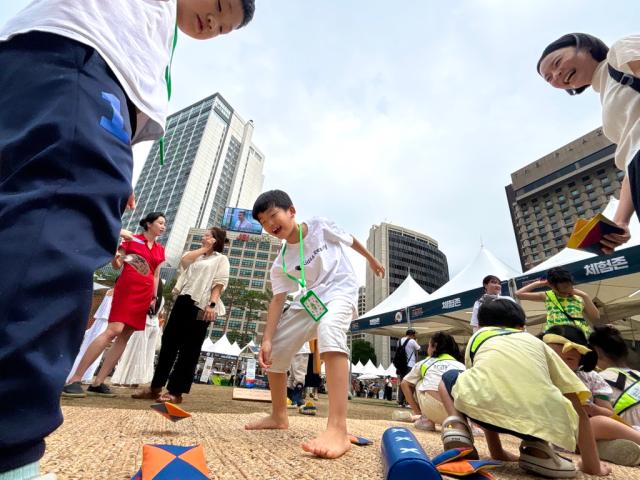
{"x":224,"y":347}
{"x":235,"y":348}
{"x":207,"y":346}
{"x":381,"y":370}
{"x":369,"y":369}
{"x":448,"y":308}
{"x":357,"y":368}
{"x":391,"y":371}
{"x":395,"y":305}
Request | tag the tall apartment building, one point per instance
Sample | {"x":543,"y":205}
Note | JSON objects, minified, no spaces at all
{"x":547,"y":196}
{"x":362,"y":300}
{"x":250,"y":258}
{"x":210,"y":163}
{"x":401,"y":251}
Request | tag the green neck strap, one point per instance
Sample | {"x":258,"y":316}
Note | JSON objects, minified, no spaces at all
{"x":167,"y":78}
{"x":301,"y":281}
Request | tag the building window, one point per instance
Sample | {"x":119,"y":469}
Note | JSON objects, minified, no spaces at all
{"x":561,"y":198}
{"x":605,"y":181}
{"x":235,"y":252}
{"x":575,"y":193}
{"x":245,"y":272}
{"x":257,"y":284}
{"x":589,"y":186}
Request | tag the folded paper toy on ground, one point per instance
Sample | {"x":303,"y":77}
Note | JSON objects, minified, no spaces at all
{"x":587,"y":234}
{"x":453,"y":463}
{"x":360,"y":441}
{"x":170,"y":411}
{"x":168,"y":462}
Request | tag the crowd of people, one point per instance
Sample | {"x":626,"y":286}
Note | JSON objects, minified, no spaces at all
{"x":72,"y":104}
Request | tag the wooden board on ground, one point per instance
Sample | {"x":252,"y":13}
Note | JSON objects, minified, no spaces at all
{"x":251,"y":394}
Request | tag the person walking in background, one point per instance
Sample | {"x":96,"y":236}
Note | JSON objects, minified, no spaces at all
{"x":140,"y":257}
{"x":203,"y":276}
{"x":410,"y":347}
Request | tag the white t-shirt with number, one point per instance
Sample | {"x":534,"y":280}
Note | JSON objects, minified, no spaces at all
{"x":133,"y":37}
{"x":327,"y":269}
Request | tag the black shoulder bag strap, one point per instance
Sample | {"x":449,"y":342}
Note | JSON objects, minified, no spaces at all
{"x":625,"y":79}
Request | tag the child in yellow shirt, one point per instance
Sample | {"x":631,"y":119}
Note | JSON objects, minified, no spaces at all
{"x":515,"y":384}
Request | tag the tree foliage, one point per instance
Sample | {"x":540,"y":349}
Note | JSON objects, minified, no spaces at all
{"x":363,"y":351}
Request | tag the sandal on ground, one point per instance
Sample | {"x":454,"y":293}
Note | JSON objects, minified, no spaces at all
{"x":620,"y":452}
{"x":170,"y":398}
{"x":146,"y":394}
{"x":552,"y":466}
{"x":456,"y":434}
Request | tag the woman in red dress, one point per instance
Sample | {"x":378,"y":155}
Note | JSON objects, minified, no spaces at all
{"x":134,"y":294}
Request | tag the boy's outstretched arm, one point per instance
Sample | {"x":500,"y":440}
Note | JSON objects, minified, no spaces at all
{"x":273,"y":315}
{"x":375,"y":265}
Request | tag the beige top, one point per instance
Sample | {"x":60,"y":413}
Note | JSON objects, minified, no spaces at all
{"x":201,"y":276}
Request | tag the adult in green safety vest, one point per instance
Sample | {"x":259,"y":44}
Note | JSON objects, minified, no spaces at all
{"x":624,"y":381}
{"x":565,"y":304}
{"x":420,"y":385}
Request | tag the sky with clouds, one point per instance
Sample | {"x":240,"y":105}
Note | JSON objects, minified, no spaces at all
{"x":412,"y":112}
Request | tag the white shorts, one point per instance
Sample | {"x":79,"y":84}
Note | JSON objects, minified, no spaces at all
{"x":296,"y":327}
{"x":431,"y":408}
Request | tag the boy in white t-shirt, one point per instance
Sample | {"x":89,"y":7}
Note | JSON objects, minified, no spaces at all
{"x":81,"y":82}
{"x":313,"y":258}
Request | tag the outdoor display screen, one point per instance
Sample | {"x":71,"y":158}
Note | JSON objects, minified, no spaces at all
{"x":240,"y":220}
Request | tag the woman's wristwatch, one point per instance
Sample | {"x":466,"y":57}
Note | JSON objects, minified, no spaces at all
{"x":212,"y":305}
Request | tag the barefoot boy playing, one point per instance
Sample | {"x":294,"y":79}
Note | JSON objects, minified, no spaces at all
{"x":312,"y":259}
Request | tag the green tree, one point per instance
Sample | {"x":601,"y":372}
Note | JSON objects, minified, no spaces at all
{"x":254,"y":302}
{"x":363,"y":351}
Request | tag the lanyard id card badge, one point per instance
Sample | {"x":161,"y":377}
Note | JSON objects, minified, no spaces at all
{"x":309,"y":300}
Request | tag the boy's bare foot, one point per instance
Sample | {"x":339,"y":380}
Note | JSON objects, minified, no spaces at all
{"x":269,"y":423}
{"x":331,"y":443}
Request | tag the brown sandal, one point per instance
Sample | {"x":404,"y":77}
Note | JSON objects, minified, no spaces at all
{"x":170,"y":398}
{"x":146,"y":394}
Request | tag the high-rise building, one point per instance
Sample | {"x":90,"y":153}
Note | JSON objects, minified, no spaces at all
{"x":401,"y":251}
{"x":250,"y":258}
{"x":210,"y":163}
{"x":547,"y":196}
{"x":362,"y":300}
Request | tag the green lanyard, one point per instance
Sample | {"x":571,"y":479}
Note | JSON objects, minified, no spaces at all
{"x":301,"y":281}
{"x":167,"y":77}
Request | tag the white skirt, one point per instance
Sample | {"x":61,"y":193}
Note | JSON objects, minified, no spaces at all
{"x":137,"y":361}
{"x":99,"y":325}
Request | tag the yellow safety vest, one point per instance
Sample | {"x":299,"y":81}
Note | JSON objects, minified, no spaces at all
{"x":630,"y":397}
{"x":427,"y":365}
{"x":483,"y":335}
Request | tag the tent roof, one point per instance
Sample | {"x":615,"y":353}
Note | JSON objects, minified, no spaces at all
{"x":485,"y":263}
{"x":207,"y":345}
{"x":224,"y":347}
{"x":408,"y":293}
{"x":99,"y":286}
{"x":370,"y":368}
{"x":449,"y":307}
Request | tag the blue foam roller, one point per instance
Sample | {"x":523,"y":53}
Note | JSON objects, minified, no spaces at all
{"x":404,"y":458}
